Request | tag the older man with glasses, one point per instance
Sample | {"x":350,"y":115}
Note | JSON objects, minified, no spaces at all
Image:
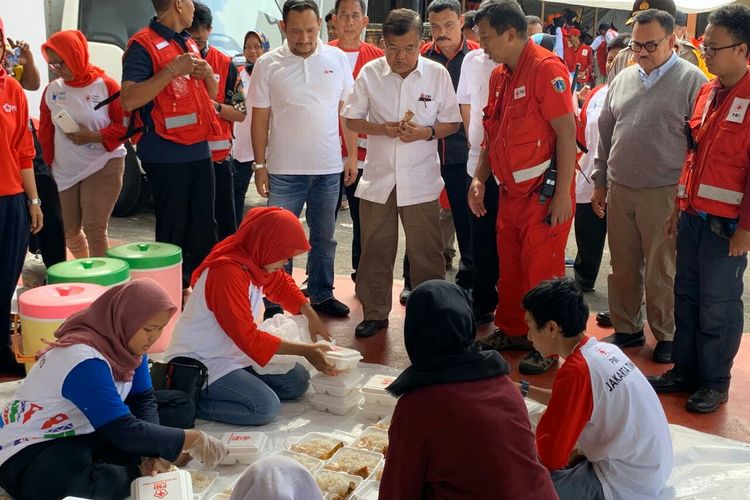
{"x":638,"y":162}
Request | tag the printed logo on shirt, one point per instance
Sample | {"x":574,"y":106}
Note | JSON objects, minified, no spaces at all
{"x":58,"y":426}
{"x":559,"y":85}
{"x":738,"y":110}
{"x":162,"y":45}
{"x":328,"y":71}
{"x":10,"y":108}
{"x":93,"y":99}
{"x":58,"y":96}
{"x":619,"y":375}
{"x":585,"y":52}
{"x":18,"y":411}
{"x":520,"y":92}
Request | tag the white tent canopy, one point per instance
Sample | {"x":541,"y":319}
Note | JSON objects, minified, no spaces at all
{"x":688,"y":6}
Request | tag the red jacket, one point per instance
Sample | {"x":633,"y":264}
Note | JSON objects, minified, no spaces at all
{"x":715,"y":178}
{"x":16,"y":144}
{"x":584,"y":56}
{"x":183,"y":112}
{"x":220,"y":144}
{"x":367,"y":53}
{"x":518,"y":136}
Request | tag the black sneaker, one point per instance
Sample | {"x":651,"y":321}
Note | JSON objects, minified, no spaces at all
{"x":604,"y":319}
{"x":500,"y":342}
{"x":534,"y":363}
{"x":622,"y":340}
{"x":670,"y":381}
{"x":332,"y":307}
{"x":706,"y":400}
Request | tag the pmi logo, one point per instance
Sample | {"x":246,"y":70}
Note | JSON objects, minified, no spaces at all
{"x":10,"y":108}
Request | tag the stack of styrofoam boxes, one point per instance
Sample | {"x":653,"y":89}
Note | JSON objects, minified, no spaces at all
{"x":338,"y":394}
{"x":378,"y":402}
{"x":244,"y":447}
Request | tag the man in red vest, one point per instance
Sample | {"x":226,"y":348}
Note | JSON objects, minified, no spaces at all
{"x":579,"y":53}
{"x":350,"y":20}
{"x":713,"y":211}
{"x":530,"y":133}
{"x":169,"y":89}
{"x":230,"y":105}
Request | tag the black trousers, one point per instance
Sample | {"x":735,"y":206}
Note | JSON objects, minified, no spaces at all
{"x":224,"y":208}
{"x":84,"y":466}
{"x":708,"y":309}
{"x":184,"y":209}
{"x":457,"y":186}
{"x":354,"y":212}
{"x":243,"y":173}
{"x":484,"y":246}
{"x":591,"y":232}
{"x":14,"y":240}
{"x":50,"y":241}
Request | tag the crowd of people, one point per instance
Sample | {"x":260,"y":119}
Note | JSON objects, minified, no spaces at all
{"x":494,"y":133}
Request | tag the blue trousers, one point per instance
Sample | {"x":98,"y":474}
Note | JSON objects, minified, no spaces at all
{"x":14,"y":240}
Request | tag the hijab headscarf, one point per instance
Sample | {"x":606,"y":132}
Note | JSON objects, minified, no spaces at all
{"x":439,"y":334}
{"x":264,"y":43}
{"x":265,"y":236}
{"x":2,"y":41}
{"x":73,"y":49}
{"x":112,"y":320}
{"x":276,"y":478}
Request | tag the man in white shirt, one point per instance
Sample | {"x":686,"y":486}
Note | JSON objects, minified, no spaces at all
{"x":473,"y":89}
{"x":297,"y":154}
{"x":403,"y":102}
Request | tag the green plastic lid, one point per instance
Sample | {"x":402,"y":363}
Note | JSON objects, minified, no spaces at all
{"x":147,"y":255}
{"x":98,"y":270}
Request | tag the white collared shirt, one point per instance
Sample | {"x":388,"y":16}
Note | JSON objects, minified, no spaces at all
{"x":649,"y":80}
{"x":304,"y":96}
{"x":380,"y":96}
{"x":474,"y":89}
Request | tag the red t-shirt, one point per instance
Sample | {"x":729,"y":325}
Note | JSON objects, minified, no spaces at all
{"x":16,"y":144}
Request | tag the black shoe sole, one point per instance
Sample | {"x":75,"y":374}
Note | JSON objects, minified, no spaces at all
{"x":667,"y":360}
{"x":704,"y":411}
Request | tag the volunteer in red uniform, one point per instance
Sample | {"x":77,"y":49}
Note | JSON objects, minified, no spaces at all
{"x":528,"y":122}
{"x":17,"y":191}
{"x":350,"y":20}
{"x":169,"y":89}
{"x":714,"y":221}
{"x":230,"y":105}
{"x":579,"y":53}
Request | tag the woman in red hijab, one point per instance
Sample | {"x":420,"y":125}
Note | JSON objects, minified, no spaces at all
{"x":218,"y":327}
{"x":85,"y":148}
{"x":85,"y":416}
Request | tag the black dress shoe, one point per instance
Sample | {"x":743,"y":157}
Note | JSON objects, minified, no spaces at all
{"x":663,"y":351}
{"x":370,"y":327}
{"x":603,"y":319}
{"x":272,"y":311}
{"x":332,"y":307}
{"x":621,"y":339}
{"x":670,"y":381}
{"x":404,"y":296}
{"x":706,"y":400}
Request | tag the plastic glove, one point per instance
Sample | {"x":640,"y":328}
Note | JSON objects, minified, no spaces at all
{"x":210,"y":450}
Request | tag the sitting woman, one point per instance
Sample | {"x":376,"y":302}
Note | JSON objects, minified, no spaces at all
{"x":84,"y":422}
{"x":460,"y":429}
{"x":218,"y":328}
{"x":276,"y":477}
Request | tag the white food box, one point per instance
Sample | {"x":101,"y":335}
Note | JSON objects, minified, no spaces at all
{"x":374,"y":390}
{"x":369,"y":490}
{"x":202,"y":481}
{"x":175,"y":485}
{"x":375,"y":411}
{"x":372,"y":439}
{"x":221,"y":496}
{"x":343,"y":358}
{"x":244,"y":447}
{"x":384,"y":423}
{"x":332,"y":479}
{"x":352,"y":460}
{"x":317,"y":445}
{"x":310,"y":463}
{"x":339,"y":386}
{"x":337,"y":406}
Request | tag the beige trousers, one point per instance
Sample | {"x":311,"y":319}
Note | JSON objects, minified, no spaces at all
{"x":642,"y":259}
{"x":424,"y":248}
{"x":86,"y":208}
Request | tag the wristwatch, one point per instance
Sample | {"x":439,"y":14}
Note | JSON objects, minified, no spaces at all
{"x":34,"y":201}
{"x":524,"y":388}
{"x":258,"y":166}
{"x":432,"y":132}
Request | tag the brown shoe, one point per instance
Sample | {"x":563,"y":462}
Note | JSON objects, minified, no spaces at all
{"x":534,"y":363}
{"x":499,"y":341}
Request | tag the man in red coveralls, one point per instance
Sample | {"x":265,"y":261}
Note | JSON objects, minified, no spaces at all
{"x":579,"y":53}
{"x":529,"y":141}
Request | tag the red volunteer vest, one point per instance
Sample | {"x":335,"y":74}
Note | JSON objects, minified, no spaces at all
{"x":220,"y":144}
{"x":367,"y":53}
{"x":714,"y":178}
{"x":583,"y":56}
{"x":183,"y":112}
{"x":601,"y":58}
{"x":519,"y":140}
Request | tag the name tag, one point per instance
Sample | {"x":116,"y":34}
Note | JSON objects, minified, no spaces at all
{"x":162,"y":45}
{"x":519,"y":93}
{"x":738,"y":110}
{"x":585,"y":52}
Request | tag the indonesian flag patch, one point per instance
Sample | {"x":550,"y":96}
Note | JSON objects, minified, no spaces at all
{"x":559,"y":85}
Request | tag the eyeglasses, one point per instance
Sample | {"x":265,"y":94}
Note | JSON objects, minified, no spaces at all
{"x":649,"y":46}
{"x":56,"y":65}
{"x":711,"y":51}
{"x":346,"y":17}
{"x":394,"y":51}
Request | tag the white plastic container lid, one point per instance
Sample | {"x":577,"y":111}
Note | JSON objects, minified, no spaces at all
{"x":375,"y":411}
{"x":377,"y":385}
{"x":349,"y":401}
{"x":343,"y":354}
{"x":175,"y":485}
{"x":244,"y":443}
{"x":346,"y":380}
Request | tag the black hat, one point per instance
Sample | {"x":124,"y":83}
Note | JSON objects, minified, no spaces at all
{"x":667,"y":6}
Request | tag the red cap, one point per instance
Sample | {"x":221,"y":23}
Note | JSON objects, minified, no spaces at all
{"x":573,"y":32}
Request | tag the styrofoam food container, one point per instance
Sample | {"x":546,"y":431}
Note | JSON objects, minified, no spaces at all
{"x":352,"y":460}
{"x":337,"y":406}
{"x":311,"y":464}
{"x":244,"y":447}
{"x":317,"y":445}
{"x":209,"y":477}
{"x":175,"y":485}
{"x":343,"y":358}
{"x":341,"y":478}
{"x":374,"y":390}
{"x":221,"y":496}
{"x":384,"y":423}
{"x":375,"y":411}
{"x":373,"y":439}
{"x":377,"y":474}
{"x":339,"y":386}
{"x":368,"y":490}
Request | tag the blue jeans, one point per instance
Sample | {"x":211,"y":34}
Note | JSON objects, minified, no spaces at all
{"x":578,"y":481}
{"x":321,"y":193}
{"x":243,"y":397}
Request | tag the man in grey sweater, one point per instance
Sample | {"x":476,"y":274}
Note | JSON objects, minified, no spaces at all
{"x":638,"y":162}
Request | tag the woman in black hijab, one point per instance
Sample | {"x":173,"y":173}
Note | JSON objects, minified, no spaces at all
{"x":460,"y":429}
